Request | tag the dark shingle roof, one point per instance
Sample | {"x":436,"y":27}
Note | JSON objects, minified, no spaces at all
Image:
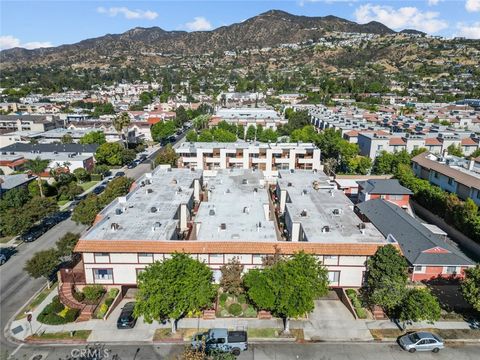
{"x":419,"y":245}
{"x":61,"y":148}
{"x":384,"y":186}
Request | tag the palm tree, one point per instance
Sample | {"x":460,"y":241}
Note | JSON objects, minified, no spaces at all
{"x":121,"y":122}
{"x":37,"y":166}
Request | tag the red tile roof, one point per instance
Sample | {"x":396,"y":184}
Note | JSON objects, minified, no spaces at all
{"x":469,"y":142}
{"x":396,"y":141}
{"x":432,"y":141}
{"x":225,"y":247}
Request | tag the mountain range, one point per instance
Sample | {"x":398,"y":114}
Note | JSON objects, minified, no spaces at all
{"x":268,"y":29}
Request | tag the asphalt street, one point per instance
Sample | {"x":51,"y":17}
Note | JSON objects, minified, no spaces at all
{"x":276,"y":351}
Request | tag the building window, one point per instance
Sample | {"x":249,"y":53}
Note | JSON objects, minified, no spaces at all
{"x":435,"y":175}
{"x":418,"y":268}
{"x":451,"y":270}
{"x":145,"y":255}
{"x":103,"y":274}
{"x":396,"y":197}
{"x":450,"y":181}
{"x":216,"y":258}
{"x":102,"y":257}
{"x":333,"y":276}
{"x":330,"y":257}
{"x":379,"y":147}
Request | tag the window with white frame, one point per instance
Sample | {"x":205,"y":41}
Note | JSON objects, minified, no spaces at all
{"x":418,"y":268}
{"x":103,"y":274}
{"x":451,"y":270}
{"x":333,"y":276}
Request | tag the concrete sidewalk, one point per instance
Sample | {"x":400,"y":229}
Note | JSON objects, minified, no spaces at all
{"x":330,"y":321}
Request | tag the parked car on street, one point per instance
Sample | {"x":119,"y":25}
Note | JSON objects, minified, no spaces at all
{"x":118,"y":174}
{"x":3,"y":259}
{"x":221,"y":340}
{"x":421,"y":341}
{"x":33,"y":233}
{"x":131,"y":165}
{"x":98,"y":190}
{"x":126,"y":319}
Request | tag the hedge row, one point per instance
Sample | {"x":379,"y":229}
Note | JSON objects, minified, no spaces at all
{"x":50,"y":314}
{"x":463,"y":215}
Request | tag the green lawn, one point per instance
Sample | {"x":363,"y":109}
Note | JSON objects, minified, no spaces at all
{"x":262,"y":333}
{"x":62,"y":202}
{"x":35,"y":302}
{"x":87,"y":185}
{"x":64,"y":335}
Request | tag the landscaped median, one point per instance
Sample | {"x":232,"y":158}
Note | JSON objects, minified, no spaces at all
{"x":449,"y":335}
{"x":254,"y":334}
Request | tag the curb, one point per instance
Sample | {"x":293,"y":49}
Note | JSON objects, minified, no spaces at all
{"x":447,"y":341}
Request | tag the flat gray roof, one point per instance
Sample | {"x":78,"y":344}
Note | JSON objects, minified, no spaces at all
{"x":169,"y":189}
{"x":192,"y":147}
{"x":238,"y":199}
{"x":316,"y":208}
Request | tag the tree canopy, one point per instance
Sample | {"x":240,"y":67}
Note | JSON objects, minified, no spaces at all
{"x":93,"y":137}
{"x":174,"y":287}
{"x":42,"y":264}
{"x":471,"y":287}
{"x":162,"y":130}
{"x":419,"y":305}
{"x":167,"y":155}
{"x":289,"y":287}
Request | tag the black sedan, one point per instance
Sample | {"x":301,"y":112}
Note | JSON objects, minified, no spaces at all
{"x":126,"y":319}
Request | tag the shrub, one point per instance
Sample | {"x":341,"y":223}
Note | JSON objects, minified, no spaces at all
{"x":223,"y":298}
{"x":71,"y":315}
{"x":250,"y":312}
{"x":224,"y":313}
{"x":235,"y":309}
{"x":93,"y":292}
{"x":242,"y":299}
{"x":109,"y":301}
{"x":79,"y":296}
{"x":102,"y":311}
{"x":112,"y":293}
{"x":51,"y":319}
{"x":361,"y":313}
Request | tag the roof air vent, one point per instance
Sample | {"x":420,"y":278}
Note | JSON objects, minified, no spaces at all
{"x":149,"y":191}
{"x":246,"y":210}
{"x":361,"y":226}
{"x":223,"y":226}
{"x":337,"y":211}
{"x":118,"y":211}
{"x":153,"y":209}
{"x":169,"y":169}
{"x":174,"y":181}
{"x":303,"y":213}
{"x":156,"y":226}
{"x":289,"y":184}
{"x":115,"y":226}
{"x":211,"y":212}
{"x":244,"y":181}
{"x":325,"y":229}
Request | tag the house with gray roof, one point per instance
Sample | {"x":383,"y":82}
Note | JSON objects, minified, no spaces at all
{"x":428,"y":255}
{"x":387,"y":189}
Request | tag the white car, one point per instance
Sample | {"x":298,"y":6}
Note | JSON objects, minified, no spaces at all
{"x":3,"y":259}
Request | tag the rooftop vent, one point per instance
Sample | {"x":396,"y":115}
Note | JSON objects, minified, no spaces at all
{"x":325,"y":229}
{"x":292,"y":171}
{"x":223,"y":226}
{"x":235,"y":236}
{"x":153,"y":209}
{"x":149,"y":191}
{"x":289,"y":184}
{"x":118,"y":211}
{"x":174,"y":181}
{"x":246,"y":210}
{"x":303,"y":213}
{"x":211,"y":212}
{"x":156,"y":226}
{"x":148,"y":182}
{"x":169,"y":169}
{"x":337,"y":211}
{"x":115,"y":226}
{"x":244,"y":181}
{"x":361,"y":226}
{"x":255,"y":190}
{"x":304,"y":192}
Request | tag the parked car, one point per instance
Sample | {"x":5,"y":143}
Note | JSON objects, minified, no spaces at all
{"x":421,"y":341}
{"x":118,"y":174}
{"x":221,"y":340}
{"x":131,"y":165}
{"x":33,"y":233}
{"x":99,"y":189}
{"x":126,"y":319}
{"x":3,"y":259}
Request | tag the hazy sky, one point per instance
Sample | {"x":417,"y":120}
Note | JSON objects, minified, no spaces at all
{"x":32,"y":24}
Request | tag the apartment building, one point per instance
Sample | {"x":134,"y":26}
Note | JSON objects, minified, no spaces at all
{"x":453,"y":174}
{"x":387,"y":189}
{"x":219,"y":215}
{"x":269,"y":157}
{"x":11,"y":123}
{"x":267,"y":118}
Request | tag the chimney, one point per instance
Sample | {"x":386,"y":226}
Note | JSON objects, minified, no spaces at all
{"x":471,"y":164}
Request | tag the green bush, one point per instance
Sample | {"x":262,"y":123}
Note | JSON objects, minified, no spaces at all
{"x":109,"y":301}
{"x":93,"y":292}
{"x":51,"y":319}
{"x":54,"y":307}
{"x":79,"y":296}
{"x":224,"y":313}
{"x":235,"y":309}
{"x":361,"y":313}
{"x":223,"y":299}
{"x":112,"y":293}
{"x":71,"y":315}
{"x":250,"y":312}
{"x":351,"y":293}
{"x":242,"y":299}
{"x":102,"y":311}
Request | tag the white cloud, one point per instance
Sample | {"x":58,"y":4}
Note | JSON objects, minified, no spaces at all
{"x":471,"y":31}
{"x":128,"y":13}
{"x":472,"y":5}
{"x":199,"y":23}
{"x":433,"y":2}
{"x":9,"y":41}
{"x":401,"y":18}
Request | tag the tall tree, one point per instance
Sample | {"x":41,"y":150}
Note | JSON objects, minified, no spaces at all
{"x":66,"y":244}
{"x":42,"y":264}
{"x":120,"y":123}
{"x":94,"y":137}
{"x":37,"y":166}
{"x":167,"y":155}
{"x":386,"y":269}
{"x":172,"y":288}
{"x":471,"y":287}
{"x":289,"y":287}
{"x":419,"y":305}
{"x":231,"y":280}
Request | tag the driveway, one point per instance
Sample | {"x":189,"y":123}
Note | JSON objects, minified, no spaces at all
{"x":107,"y":331}
{"x":331,"y":321}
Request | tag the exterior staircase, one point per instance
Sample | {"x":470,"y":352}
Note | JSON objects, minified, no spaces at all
{"x":65,"y":294}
